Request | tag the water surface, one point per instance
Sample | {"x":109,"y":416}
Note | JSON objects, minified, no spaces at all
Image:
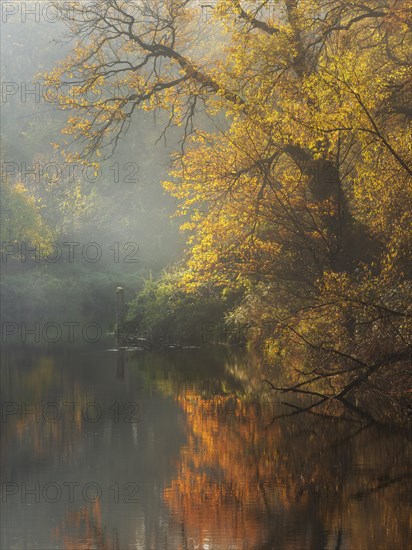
{"x":105,"y":450}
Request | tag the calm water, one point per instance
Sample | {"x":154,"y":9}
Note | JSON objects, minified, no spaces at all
{"x":103,"y":450}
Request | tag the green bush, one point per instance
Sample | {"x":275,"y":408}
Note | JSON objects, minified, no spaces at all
{"x":162,"y":312}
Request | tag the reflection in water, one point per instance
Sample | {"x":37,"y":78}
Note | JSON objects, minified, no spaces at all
{"x":83,"y":530}
{"x":183,"y":452}
{"x":120,"y":365}
{"x":306,"y":484}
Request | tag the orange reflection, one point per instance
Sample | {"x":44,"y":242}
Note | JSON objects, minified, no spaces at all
{"x":83,"y":530}
{"x":239,"y":485}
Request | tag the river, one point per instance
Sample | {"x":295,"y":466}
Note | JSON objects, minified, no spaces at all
{"x":179,"y":450}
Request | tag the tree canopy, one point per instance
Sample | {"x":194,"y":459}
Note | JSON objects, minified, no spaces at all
{"x":293,"y":177}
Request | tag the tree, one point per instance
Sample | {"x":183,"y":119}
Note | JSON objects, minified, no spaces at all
{"x":305,"y":185}
{"x":21,"y":220}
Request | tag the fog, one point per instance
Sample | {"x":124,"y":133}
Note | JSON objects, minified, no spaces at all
{"x":109,"y":228}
